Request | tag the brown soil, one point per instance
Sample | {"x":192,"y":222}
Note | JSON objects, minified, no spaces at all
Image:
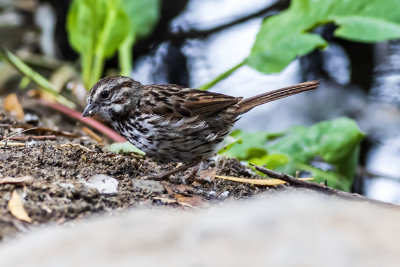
{"x":59,"y":192}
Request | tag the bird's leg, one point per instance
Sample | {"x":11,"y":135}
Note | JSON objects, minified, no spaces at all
{"x":166,"y":174}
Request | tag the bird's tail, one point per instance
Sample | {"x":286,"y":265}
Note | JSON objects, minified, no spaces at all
{"x":251,"y":102}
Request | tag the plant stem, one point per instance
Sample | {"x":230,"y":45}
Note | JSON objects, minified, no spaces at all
{"x":125,"y":56}
{"x":98,"y":65}
{"x":44,"y":84}
{"x":99,"y":56}
{"x":221,"y":77}
{"x":86,"y":65}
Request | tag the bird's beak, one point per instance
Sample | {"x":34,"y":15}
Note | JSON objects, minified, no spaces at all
{"x":90,"y":110}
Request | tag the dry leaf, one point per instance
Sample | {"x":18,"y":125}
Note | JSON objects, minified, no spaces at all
{"x":267,"y":182}
{"x":192,"y":202}
{"x":16,"y":180}
{"x":207,"y":175}
{"x":182,"y":188}
{"x":12,"y":105}
{"x":16,"y":207}
{"x":164,"y":200}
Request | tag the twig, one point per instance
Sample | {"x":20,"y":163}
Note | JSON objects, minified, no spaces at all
{"x":42,"y":130}
{"x":16,"y":180}
{"x":17,"y":133}
{"x":6,"y":144}
{"x":88,"y":121}
{"x":32,"y":137}
{"x":319,"y":188}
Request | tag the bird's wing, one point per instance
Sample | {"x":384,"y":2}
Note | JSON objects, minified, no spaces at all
{"x":178,"y":102}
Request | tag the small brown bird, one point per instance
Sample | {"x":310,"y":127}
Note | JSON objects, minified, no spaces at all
{"x":172,"y":123}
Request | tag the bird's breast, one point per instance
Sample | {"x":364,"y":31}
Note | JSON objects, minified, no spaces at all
{"x":170,"y":139}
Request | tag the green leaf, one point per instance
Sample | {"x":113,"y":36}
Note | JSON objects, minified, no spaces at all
{"x":336,"y":142}
{"x":271,"y":161}
{"x":143,"y":16}
{"x":96,"y":28}
{"x":288,"y":35}
{"x":228,"y":143}
{"x":114,"y":30}
{"x":358,"y":29}
{"x":125,"y":147}
{"x":252,"y":145}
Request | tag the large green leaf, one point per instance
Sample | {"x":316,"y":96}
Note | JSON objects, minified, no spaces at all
{"x":251,"y":145}
{"x":143,"y":16}
{"x":336,"y":142}
{"x":114,"y":29}
{"x":96,"y":28}
{"x":288,"y":35}
{"x":97,"y":25}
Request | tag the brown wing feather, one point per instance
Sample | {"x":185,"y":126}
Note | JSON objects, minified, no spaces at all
{"x":179,"y":102}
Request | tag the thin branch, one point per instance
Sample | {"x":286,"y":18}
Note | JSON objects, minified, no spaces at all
{"x":17,"y":133}
{"x":7,"y":144}
{"x":32,"y":137}
{"x":319,"y":188}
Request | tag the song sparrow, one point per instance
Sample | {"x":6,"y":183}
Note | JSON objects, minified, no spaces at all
{"x":172,"y":123}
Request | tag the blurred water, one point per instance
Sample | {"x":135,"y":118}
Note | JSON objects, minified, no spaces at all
{"x":206,"y":14}
{"x":384,"y":157}
{"x":377,"y":113}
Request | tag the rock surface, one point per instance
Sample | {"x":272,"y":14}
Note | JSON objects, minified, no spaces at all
{"x":287,"y":228}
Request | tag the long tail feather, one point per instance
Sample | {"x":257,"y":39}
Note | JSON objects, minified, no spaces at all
{"x":249,"y":103}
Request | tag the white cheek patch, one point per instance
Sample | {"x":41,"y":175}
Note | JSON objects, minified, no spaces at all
{"x":117,"y":107}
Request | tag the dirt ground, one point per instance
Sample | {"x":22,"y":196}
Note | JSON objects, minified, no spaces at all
{"x":63,"y":186}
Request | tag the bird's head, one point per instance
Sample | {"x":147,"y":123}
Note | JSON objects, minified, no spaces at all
{"x":112,"y":96}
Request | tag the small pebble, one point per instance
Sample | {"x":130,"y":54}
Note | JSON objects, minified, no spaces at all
{"x":223,"y":195}
{"x":212,"y":194}
{"x":104,"y":184}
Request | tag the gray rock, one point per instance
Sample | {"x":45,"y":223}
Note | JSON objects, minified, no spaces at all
{"x":292,"y":228}
{"x":149,"y":185}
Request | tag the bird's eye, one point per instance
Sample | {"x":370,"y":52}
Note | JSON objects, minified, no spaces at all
{"x":105,"y":94}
